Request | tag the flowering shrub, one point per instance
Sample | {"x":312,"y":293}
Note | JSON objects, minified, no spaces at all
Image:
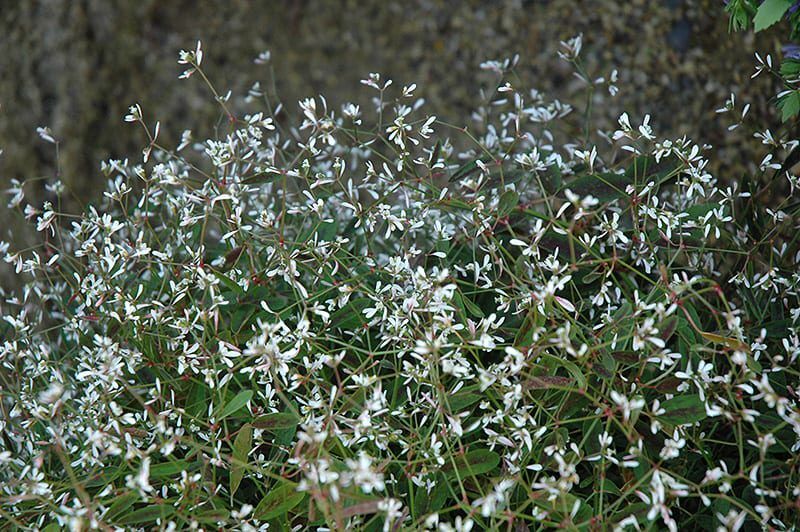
{"x":352,"y":321}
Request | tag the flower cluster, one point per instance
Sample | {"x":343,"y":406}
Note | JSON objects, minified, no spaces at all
{"x":370,"y":318}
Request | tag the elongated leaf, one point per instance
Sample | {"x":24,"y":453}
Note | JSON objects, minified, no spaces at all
{"x":462,"y":400}
{"x":275,"y":422}
{"x":229,"y":283}
{"x":235,"y":404}
{"x":241,"y":448}
{"x":196,"y":402}
{"x":464,"y":171}
{"x":733,"y":343}
{"x":467,"y":306}
{"x":278,"y":501}
{"x":147,"y":515}
{"x":120,"y":504}
{"x":437,"y":149}
{"x":570,"y":366}
{"x":543,"y":382}
{"x":551,"y":180}
{"x":212,"y":515}
{"x":683,"y":409}
{"x":508,"y":202}
{"x":168,"y":469}
{"x":472,"y":463}
{"x":668,"y":327}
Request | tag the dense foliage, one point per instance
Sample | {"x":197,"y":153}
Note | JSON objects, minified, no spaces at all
{"x":340,"y":321}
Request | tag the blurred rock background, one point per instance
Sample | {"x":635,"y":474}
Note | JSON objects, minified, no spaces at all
{"x":76,"y":65}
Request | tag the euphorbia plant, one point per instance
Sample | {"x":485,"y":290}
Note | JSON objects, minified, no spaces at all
{"x":342,"y":320}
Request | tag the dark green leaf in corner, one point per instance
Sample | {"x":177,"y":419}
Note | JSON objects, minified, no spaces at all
{"x":770,"y":12}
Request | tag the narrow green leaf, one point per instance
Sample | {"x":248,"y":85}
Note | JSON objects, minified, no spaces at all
{"x":570,"y":366}
{"x":508,"y":202}
{"x":169,"y":469}
{"x":278,"y":501}
{"x":462,"y":400}
{"x":147,"y":515}
{"x":467,"y":306}
{"x":275,"y":422}
{"x":196,"y":401}
{"x":241,"y":448}
{"x":235,"y":404}
{"x":464,"y":171}
{"x":120,"y":504}
{"x":212,"y":515}
{"x":435,"y":153}
{"x":683,"y":410}
{"x":472,"y":463}
{"x":606,"y":187}
{"x":733,"y":343}
{"x":551,"y":180}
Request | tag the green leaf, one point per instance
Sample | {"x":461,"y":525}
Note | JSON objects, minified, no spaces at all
{"x":278,"y":501}
{"x":668,"y":327}
{"x":790,"y":68}
{"x":769,"y":13}
{"x":574,"y":371}
{"x":327,"y":231}
{"x":607,"y":368}
{"x":235,"y":404}
{"x":437,"y":149}
{"x":120,"y":504}
{"x":148,"y":514}
{"x":551,"y":180}
{"x":275,"y":422}
{"x":462,"y":400}
{"x":464,"y":171}
{"x":789,"y":104}
{"x":605,"y":187}
{"x":169,"y":469}
{"x":241,"y":448}
{"x":212,"y":515}
{"x":733,"y":343}
{"x":472,"y":463}
{"x":351,"y":316}
{"x":467,"y":306}
{"x":196,"y":402}
{"x":684,"y":409}
{"x":508,"y":201}
{"x":229,"y":283}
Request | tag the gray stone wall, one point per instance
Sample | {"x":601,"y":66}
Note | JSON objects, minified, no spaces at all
{"x":75,"y":65}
